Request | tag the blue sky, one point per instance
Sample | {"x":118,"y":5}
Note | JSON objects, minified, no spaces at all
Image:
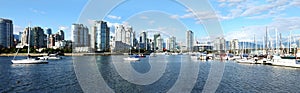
{"x":240,"y":19}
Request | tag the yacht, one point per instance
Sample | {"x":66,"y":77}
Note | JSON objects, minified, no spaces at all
{"x":279,"y":61}
{"x":51,"y":57}
{"x":29,"y":61}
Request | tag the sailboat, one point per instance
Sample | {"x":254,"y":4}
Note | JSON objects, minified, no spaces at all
{"x":28,"y":60}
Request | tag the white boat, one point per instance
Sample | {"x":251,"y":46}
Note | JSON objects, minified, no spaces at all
{"x":246,"y":61}
{"x":131,"y":59}
{"x":278,"y":61}
{"x":28,"y":60}
{"x":51,"y":57}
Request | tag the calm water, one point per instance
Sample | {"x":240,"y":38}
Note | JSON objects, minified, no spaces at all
{"x":59,"y":76}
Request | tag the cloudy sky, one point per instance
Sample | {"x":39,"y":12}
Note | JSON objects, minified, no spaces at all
{"x":239,"y":19}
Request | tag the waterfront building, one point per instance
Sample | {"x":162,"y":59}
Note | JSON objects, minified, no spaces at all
{"x":6,"y":33}
{"x":80,"y":38}
{"x":80,"y":35}
{"x":129,"y":35}
{"x":219,"y":44}
{"x":155,"y":42}
{"x":171,"y":44}
{"x":120,"y":33}
{"x":189,"y":40}
{"x":100,"y":36}
{"x":55,"y":40}
{"x":124,"y":38}
{"x":51,"y":41}
{"x":38,"y":37}
{"x":234,"y":46}
{"x":48,"y":33}
{"x":143,"y":40}
{"x":159,"y":42}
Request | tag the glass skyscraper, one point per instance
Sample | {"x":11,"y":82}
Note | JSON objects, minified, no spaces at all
{"x":6,"y":33}
{"x":189,"y":40}
{"x":100,"y":36}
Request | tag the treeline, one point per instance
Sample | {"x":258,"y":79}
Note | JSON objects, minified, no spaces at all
{"x":32,"y":50}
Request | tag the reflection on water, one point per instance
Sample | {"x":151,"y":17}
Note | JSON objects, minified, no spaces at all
{"x":59,"y":76}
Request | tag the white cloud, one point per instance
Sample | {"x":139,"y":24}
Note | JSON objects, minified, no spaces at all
{"x":286,"y":24}
{"x":255,"y":9}
{"x":295,"y":3}
{"x":37,"y":11}
{"x":198,"y":16}
{"x":64,"y":28}
{"x":283,"y":25}
{"x":174,"y":16}
{"x":114,"y":17}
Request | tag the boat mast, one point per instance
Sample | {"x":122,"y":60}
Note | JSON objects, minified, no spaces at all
{"x":255,"y":45}
{"x":290,"y":43}
{"x":266,"y":41}
{"x":276,"y":45}
{"x":28,"y":48}
{"x":263,"y":47}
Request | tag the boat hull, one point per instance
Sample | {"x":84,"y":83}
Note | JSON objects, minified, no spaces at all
{"x":131,"y":59}
{"x":50,"y":58}
{"x":250,"y":61}
{"x":29,"y":61}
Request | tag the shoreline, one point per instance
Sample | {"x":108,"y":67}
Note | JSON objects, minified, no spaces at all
{"x":65,"y":54}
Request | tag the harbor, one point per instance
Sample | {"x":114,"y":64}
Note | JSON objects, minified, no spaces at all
{"x":59,"y":75}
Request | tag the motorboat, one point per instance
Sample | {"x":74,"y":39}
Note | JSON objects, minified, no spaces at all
{"x":131,"y":59}
{"x":51,"y":57}
{"x":279,"y":61}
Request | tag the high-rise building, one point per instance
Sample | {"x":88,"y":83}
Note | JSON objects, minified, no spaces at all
{"x":60,"y":35}
{"x":129,"y":35}
{"x":189,"y":40}
{"x":20,"y":37}
{"x":6,"y":33}
{"x":124,"y":38}
{"x":234,"y":46}
{"x":219,"y":44}
{"x":159,"y":42}
{"x":100,"y":36}
{"x":143,"y":40}
{"x":38,"y":38}
{"x":171,"y":43}
{"x":80,"y":35}
{"x":120,"y":33}
{"x":155,"y":46}
{"x":48,"y":32}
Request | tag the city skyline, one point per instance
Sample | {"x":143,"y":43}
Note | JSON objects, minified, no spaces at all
{"x":236,"y":16}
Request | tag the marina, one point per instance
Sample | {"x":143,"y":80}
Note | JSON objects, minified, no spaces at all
{"x":59,"y":75}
